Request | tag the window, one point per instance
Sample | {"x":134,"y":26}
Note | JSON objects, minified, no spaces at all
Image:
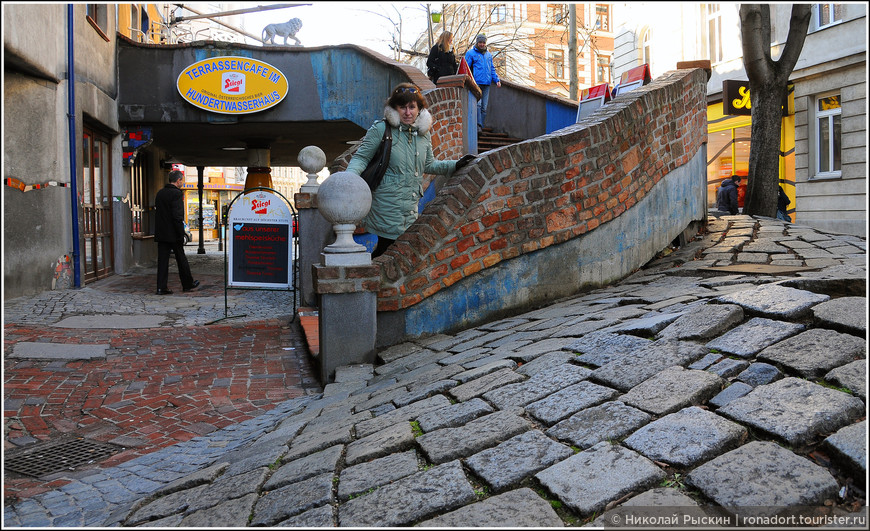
{"x":498,"y":14}
{"x":557,"y":14}
{"x":828,"y":112}
{"x":826,"y":15}
{"x":714,"y":32}
{"x":602,"y":72}
{"x":646,"y":47}
{"x":556,"y":64}
{"x":98,"y":18}
{"x":602,"y":17}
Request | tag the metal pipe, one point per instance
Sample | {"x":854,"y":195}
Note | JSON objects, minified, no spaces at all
{"x":73,"y":163}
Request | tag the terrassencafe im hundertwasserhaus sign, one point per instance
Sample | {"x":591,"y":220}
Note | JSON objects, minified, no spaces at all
{"x":232,"y":85}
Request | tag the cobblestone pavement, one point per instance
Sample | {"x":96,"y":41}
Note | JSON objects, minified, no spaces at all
{"x":722,"y":384}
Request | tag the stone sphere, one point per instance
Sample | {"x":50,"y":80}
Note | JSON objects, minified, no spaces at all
{"x":311,"y":159}
{"x":344,"y":197}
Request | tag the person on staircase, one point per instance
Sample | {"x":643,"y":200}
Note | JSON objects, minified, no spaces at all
{"x":479,"y":60}
{"x":442,"y":60}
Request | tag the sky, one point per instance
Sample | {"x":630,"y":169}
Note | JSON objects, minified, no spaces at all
{"x":368,"y":24}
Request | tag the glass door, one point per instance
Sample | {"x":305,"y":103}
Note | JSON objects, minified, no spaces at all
{"x":96,"y":207}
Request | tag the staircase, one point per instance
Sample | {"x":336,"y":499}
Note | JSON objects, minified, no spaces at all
{"x":489,"y":139}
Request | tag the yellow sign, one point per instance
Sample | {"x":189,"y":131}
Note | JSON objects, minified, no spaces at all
{"x":232,"y":85}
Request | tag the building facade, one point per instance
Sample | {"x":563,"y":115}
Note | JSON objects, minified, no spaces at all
{"x":824,"y":141}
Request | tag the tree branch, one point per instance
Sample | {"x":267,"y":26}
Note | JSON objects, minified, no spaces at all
{"x":797,"y":34}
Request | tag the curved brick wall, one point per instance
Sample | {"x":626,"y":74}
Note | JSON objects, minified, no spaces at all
{"x":548,"y":190}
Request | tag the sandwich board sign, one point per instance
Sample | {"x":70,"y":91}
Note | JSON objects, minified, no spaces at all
{"x":259,"y":243}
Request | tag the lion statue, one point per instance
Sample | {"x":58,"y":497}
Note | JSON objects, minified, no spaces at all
{"x":285,"y":29}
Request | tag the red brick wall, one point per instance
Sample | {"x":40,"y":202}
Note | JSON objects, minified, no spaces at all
{"x":547,"y":190}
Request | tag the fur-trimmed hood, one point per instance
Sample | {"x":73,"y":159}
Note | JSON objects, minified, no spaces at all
{"x":422,"y":124}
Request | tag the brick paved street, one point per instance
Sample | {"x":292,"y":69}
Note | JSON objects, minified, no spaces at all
{"x":154,"y":387}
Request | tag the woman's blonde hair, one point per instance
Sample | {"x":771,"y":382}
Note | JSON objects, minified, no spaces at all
{"x":443,"y":40}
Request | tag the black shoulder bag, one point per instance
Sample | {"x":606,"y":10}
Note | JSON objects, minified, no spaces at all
{"x":377,"y":166}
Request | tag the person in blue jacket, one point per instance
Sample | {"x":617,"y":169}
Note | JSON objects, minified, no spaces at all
{"x":480,"y":62}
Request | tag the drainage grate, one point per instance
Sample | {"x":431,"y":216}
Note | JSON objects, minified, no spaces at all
{"x":51,"y":457}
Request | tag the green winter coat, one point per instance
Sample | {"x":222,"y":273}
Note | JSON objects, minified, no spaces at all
{"x":394,"y":202}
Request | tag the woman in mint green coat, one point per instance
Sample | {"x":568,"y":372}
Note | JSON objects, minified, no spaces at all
{"x":394,"y":202}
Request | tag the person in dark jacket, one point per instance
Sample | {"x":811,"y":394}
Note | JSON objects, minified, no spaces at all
{"x":726,"y":197}
{"x":442,"y":60}
{"x":782,"y":203}
{"x":169,"y":235}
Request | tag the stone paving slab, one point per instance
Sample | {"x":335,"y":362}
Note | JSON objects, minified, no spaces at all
{"x":448,"y":444}
{"x":58,"y":351}
{"x":296,"y":498}
{"x":536,"y":387}
{"x":365,"y":476}
{"x":704,"y":322}
{"x":775,"y":301}
{"x":406,"y":413}
{"x":112,"y":321}
{"x":672,"y":389}
{"x":630,"y":370}
{"x":568,"y":401}
{"x":396,"y":438}
{"x":753,"y":336}
{"x":230,"y":513}
{"x":438,"y":490}
{"x":686,"y":438}
{"x":485,"y":383}
{"x":609,"y":421}
{"x":763,"y":476}
{"x":600,"y":348}
{"x":319,"y":517}
{"x":849,"y":445}
{"x":795,"y":410}
{"x":517,"y":458}
{"x":517,"y":508}
{"x":454,"y":415}
{"x":852,"y":376}
{"x":658,"y":505}
{"x":846,"y":314}
{"x":588,"y":481}
{"x":815,"y":352}
{"x":305,"y":467}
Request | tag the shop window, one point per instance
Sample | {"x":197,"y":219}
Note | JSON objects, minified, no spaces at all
{"x":828,"y":136}
{"x":727,"y":155}
{"x":826,"y":15}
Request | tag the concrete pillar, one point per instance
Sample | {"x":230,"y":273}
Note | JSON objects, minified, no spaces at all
{"x":315,"y":232}
{"x":346,"y":281}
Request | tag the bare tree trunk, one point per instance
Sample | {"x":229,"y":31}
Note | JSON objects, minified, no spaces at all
{"x":768,"y":85}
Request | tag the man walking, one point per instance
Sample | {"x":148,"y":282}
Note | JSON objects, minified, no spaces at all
{"x":479,"y":60}
{"x":169,"y":235}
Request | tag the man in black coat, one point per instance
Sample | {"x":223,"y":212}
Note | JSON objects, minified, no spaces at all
{"x":726,"y":197}
{"x":169,"y":235}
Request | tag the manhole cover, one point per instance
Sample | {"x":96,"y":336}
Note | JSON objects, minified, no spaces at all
{"x":51,"y":457}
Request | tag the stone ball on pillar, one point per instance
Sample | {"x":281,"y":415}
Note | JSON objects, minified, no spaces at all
{"x":344,"y":199}
{"x":311,"y":159}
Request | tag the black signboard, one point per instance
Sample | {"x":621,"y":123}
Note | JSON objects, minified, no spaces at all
{"x":260,"y":253}
{"x":736,"y":99}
